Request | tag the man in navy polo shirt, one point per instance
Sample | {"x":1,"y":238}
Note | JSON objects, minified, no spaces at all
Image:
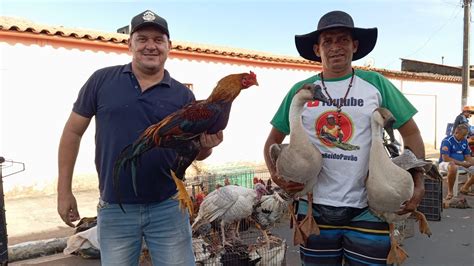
{"x":125,"y":100}
{"x":455,"y":154}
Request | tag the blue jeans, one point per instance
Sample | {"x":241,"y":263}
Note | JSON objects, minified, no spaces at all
{"x":163,"y":226}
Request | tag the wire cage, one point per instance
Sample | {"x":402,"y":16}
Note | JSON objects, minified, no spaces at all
{"x":249,"y":249}
{"x":7,"y":168}
{"x":247,"y":242}
{"x":246,"y":177}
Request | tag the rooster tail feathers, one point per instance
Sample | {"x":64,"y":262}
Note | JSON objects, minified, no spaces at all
{"x":130,"y":155}
{"x":133,"y":168}
{"x":151,"y":133}
{"x":119,"y":163}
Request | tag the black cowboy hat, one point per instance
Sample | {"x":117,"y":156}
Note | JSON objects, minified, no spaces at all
{"x":336,"y":19}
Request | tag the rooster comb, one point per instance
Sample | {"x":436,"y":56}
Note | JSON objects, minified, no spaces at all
{"x":252,"y":75}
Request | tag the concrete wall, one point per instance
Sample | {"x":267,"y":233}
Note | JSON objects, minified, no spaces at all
{"x":39,"y":85}
{"x":437,"y":103}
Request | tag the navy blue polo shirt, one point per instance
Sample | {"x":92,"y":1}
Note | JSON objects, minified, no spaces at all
{"x":454,"y":149}
{"x":122,"y":112}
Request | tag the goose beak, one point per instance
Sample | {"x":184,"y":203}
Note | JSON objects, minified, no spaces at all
{"x":388,"y":121}
{"x":318,"y":94}
{"x":389,"y":130}
{"x":387,"y":116}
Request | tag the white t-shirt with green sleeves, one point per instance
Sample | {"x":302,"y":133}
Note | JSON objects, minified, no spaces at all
{"x":345,"y":162}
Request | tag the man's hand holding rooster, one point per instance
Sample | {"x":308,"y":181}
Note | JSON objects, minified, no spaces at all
{"x":209,"y":141}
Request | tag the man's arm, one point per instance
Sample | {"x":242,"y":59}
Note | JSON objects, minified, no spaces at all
{"x":277,"y":137}
{"x":412,"y":139}
{"x":468,"y":160}
{"x":67,"y":154}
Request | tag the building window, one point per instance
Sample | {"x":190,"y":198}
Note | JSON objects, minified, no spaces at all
{"x":189,"y":85}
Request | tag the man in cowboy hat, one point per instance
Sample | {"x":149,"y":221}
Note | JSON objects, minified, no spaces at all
{"x":340,"y":196}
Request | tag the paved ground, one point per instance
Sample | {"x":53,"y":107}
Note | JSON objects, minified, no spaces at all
{"x":452,"y":242}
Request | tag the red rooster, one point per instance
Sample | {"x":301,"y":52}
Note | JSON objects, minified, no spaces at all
{"x":182,"y":129}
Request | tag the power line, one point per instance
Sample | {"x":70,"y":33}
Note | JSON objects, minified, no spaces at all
{"x":450,"y":19}
{"x":433,"y":34}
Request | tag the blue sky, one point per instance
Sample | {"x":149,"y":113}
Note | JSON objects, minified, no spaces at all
{"x":424,"y":30}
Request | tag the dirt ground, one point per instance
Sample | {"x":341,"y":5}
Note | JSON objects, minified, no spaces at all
{"x":36,"y":218}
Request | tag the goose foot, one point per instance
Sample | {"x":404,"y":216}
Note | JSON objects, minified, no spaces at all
{"x":396,"y":254}
{"x":423,"y":223}
{"x":308,"y":225}
{"x":298,"y":238}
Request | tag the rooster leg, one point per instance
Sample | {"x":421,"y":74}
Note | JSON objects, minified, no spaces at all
{"x":308,"y":225}
{"x":183,"y":196}
{"x":297,"y":235}
{"x":186,"y":155}
{"x":423,"y":223}
{"x":396,"y":254}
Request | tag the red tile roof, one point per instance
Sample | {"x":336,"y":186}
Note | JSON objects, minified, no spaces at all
{"x":24,"y":25}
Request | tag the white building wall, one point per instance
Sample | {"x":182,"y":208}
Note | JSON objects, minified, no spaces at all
{"x":437,"y":103}
{"x":39,"y":86}
{"x":40,"y":83}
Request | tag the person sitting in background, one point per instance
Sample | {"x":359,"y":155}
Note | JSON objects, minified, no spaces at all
{"x":462,"y":118}
{"x":455,"y":155}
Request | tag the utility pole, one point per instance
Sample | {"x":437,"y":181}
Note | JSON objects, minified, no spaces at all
{"x":465,"y":54}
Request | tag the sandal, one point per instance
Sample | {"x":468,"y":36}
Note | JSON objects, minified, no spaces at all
{"x":449,"y":197}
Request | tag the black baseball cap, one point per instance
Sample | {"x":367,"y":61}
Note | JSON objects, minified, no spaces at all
{"x":149,"y":18}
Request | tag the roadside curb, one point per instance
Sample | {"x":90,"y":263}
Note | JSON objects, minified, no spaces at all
{"x":34,"y":249}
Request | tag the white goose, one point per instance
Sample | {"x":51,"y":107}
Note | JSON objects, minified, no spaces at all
{"x":389,"y":185}
{"x":300,"y":161}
